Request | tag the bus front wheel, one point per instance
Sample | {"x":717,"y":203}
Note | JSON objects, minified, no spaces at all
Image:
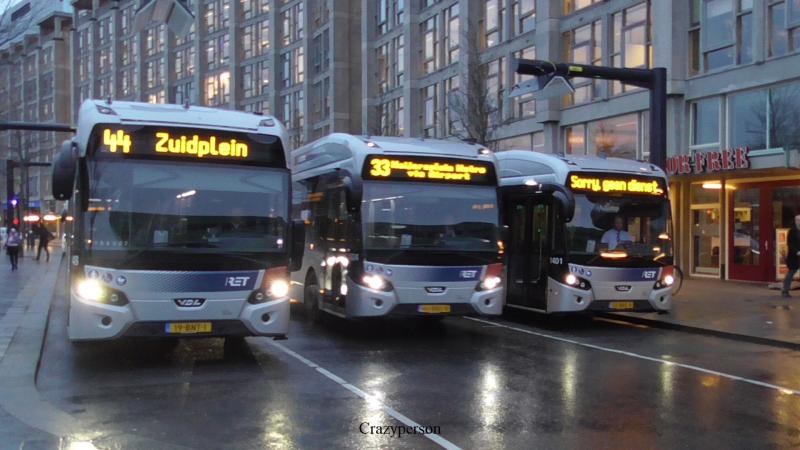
{"x":311,"y":302}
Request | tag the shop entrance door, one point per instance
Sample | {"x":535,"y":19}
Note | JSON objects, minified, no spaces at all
{"x":751,"y":239}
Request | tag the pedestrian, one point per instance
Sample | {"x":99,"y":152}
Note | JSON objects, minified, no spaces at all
{"x":31,"y":237}
{"x":44,"y":239}
{"x":792,"y":256}
{"x":13,"y":242}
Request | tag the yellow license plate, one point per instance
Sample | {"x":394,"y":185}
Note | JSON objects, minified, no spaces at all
{"x":188,"y":327}
{"x":434,"y":309}
{"x":621,"y":305}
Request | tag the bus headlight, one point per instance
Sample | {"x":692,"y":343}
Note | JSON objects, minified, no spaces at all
{"x":278,"y":288}
{"x":571,"y":279}
{"x":91,"y":290}
{"x":374,"y":282}
{"x":578,"y":282}
{"x":667,"y":278}
{"x":490,"y":283}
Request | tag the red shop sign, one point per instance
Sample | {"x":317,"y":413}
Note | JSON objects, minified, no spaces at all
{"x":709,"y":162}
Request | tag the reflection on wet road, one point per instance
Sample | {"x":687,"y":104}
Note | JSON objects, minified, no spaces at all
{"x":518,"y":382}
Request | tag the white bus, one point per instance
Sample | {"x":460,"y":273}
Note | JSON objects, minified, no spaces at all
{"x":181,"y":222}
{"x":586,"y":233}
{"x":397,"y":226}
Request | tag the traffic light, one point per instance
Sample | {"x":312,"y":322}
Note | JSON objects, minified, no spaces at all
{"x":15,"y":221}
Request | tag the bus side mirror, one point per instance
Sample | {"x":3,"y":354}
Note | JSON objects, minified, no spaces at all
{"x":64,"y":166}
{"x":352,"y":190}
{"x":297,"y":245}
{"x":505,"y":234}
{"x":564,"y":198}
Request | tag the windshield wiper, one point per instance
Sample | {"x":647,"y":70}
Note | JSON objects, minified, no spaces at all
{"x":190,"y":244}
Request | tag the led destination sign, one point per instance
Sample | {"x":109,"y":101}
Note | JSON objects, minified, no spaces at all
{"x":610,"y":184}
{"x":184,"y":143}
{"x":429,"y":169}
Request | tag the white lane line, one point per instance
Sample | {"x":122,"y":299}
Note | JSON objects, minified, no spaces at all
{"x":371,"y":399}
{"x":781,"y":389}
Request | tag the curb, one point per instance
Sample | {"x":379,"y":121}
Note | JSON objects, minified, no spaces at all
{"x":704,"y":331}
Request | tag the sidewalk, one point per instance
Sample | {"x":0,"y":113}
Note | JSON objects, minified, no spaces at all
{"x":731,"y":309}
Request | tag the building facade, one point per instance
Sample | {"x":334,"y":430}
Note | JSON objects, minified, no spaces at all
{"x":35,"y":86}
{"x":415,"y":67}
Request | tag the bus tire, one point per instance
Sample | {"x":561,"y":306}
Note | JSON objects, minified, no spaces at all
{"x":311,"y":302}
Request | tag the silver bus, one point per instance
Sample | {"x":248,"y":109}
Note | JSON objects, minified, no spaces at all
{"x":181,"y":222}
{"x":397,"y":226}
{"x":586,"y":233}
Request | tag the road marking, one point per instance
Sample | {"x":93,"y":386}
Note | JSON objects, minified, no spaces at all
{"x":780,"y":389}
{"x":371,"y":399}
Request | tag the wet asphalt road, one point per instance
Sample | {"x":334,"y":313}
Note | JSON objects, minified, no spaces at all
{"x":523,"y":381}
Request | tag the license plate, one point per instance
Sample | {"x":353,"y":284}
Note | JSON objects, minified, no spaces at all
{"x":188,"y":327}
{"x":621,"y":305}
{"x":434,"y":309}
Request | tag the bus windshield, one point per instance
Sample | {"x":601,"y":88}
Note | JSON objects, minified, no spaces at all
{"x":636,"y":226}
{"x":175,"y":207}
{"x":427,"y":216}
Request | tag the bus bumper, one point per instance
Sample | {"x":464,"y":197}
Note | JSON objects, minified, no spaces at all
{"x":364,"y":302}
{"x":564,"y":298}
{"x":98,"y":321}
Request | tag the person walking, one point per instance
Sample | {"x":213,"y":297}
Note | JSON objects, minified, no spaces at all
{"x":44,"y":239}
{"x":13,"y":243}
{"x":792,"y":256}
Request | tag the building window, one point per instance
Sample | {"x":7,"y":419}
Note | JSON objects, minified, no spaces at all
{"x":747,"y":115}
{"x":184,"y":92}
{"x":494,"y":12}
{"x":184,"y":62}
{"x":382,"y":21}
{"x":525,"y":105}
{"x":619,"y":137}
{"x":705,"y":122}
{"x":570,"y":6}
{"x":255,"y":39}
{"x":398,"y":60}
{"x":217,"y":15}
{"x":784,"y":27}
{"x":259,"y":106}
{"x":156,"y":97}
{"x":255,"y":79}
{"x":451,"y":87}
{"x":292,"y":24}
{"x":154,"y":40}
{"x":382,"y":64}
{"x":631,"y":45}
{"x":524,"y":16}
{"x":784,"y":108}
{"x":430,"y":47}
{"x":721,"y":34}
{"x":218,"y":51}
{"x":154,"y":73}
{"x":127,"y":83}
{"x":218,"y":89}
{"x":706,"y":222}
{"x":584,"y":46}
{"x":429,"y":105}
{"x":293,"y":67}
{"x":391,"y":114}
{"x":254,"y":8}
{"x":320,"y":52}
{"x":452,"y":36}
{"x":495,"y":89}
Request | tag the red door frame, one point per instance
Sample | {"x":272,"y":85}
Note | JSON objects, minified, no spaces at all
{"x":765,"y":271}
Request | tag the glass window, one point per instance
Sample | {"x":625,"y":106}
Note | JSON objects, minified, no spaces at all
{"x":718,"y":23}
{"x":584,"y":46}
{"x":524,"y":16}
{"x":778,"y":35}
{"x":631,"y":41}
{"x":571,"y":6}
{"x":615,"y":137}
{"x":746,"y":229}
{"x":747,"y":115}
{"x":430,"y":45}
{"x":576,"y":140}
{"x":425,"y":216}
{"x":705,"y":121}
{"x":784,"y":109}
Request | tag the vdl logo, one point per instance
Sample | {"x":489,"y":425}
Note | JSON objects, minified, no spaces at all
{"x":236,"y":281}
{"x":189,"y":302}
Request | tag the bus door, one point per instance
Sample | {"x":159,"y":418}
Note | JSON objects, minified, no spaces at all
{"x":529,"y":222}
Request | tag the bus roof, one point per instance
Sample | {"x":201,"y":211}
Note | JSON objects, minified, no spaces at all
{"x":93,"y":112}
{"x":341,"y":150}
{"x":516,"y":166}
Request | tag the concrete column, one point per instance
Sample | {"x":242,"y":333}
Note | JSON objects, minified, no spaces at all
{"x":272,"y":90}
{"x":116,"y":47}
{"x":760,"y":38}
{"x":235,"y":49}
{"x":368,"y":85}
{"x":411,"y":43}
{"x":548,"y":47}
{"x":199,"y":55}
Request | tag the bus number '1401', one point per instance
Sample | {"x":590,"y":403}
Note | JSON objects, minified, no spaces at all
{"x":557,"y":260}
